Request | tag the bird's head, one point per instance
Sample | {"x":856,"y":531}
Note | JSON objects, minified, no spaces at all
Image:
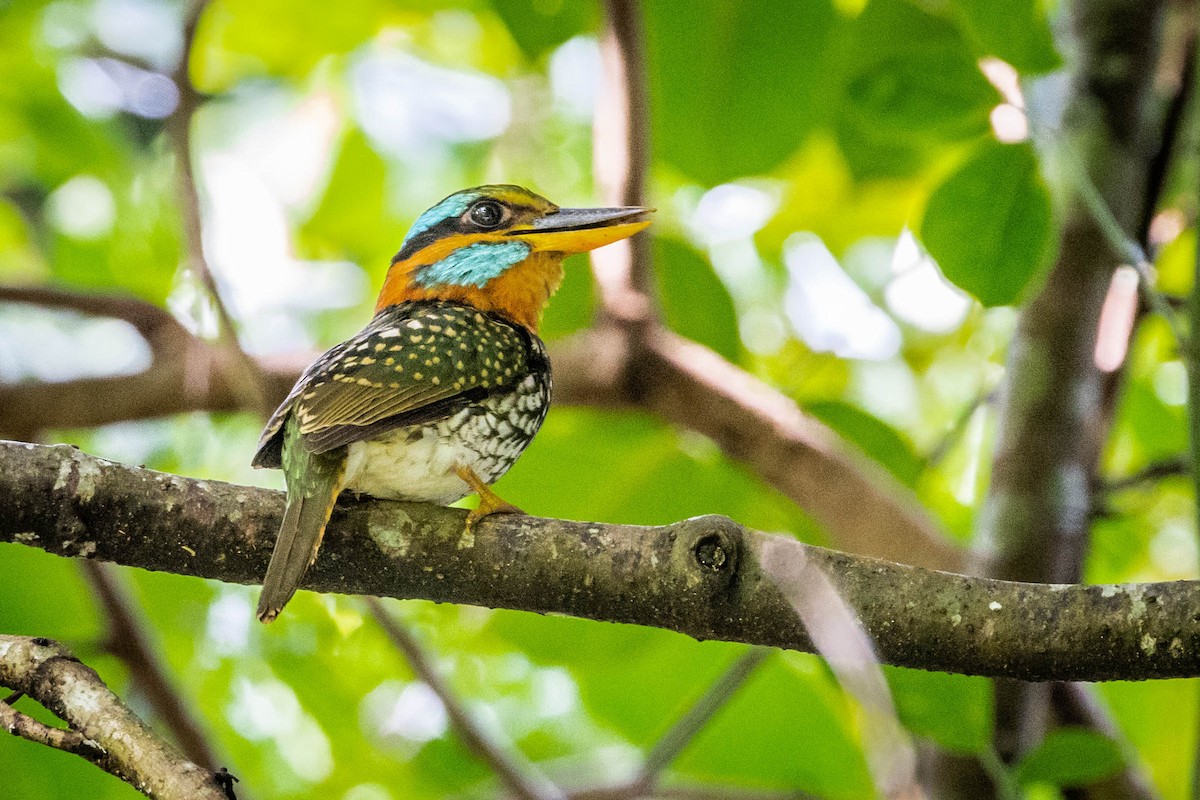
{"x":499,"y":248}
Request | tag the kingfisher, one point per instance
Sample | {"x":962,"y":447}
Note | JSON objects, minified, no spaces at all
{"x":446,"y":385}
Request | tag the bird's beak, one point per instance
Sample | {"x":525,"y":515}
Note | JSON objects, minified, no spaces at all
{"x":574,"y":230}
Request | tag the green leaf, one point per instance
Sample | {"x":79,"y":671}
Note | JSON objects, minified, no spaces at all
{"x":990,"y":225}
{"x":955,"y":711}
{"x":1015,"y":31}
{"x":736,"y":87}
{"x":239,"y":39}
{"x":876,"y":438}
{"x":913,"y":73}
{"x":694,"y":301}
{"x":1070,"y":757}
{"x":540,"y":25}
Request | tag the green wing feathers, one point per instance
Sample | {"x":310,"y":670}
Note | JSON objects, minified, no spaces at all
{"x":412,"y":364}
{"x":314,"y":481}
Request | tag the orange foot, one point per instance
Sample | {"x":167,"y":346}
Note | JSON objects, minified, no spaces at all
{"x":489,"y":502}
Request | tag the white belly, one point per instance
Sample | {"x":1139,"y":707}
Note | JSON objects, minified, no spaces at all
{"x":418,"y":463}
{"x":403,"y":465}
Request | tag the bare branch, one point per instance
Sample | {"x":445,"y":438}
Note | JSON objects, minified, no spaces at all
{"x":162,"y":332}
{"x":102,"y":728}
{"x":129,"y":640}
{"x":621,"y":156}
{"x":523,"y":779}
{"x":1154,"y":471}
{"x":1052,"y":420}
{"x":700,"y":576}
{"x":244,"y":377}
{"x":865,"y":509}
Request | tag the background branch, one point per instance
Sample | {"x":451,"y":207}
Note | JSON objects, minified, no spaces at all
{"x":679,"y":736}
{"x":242,"y":372}
{"x":1054,"y":410}
{"x":701,"y":576}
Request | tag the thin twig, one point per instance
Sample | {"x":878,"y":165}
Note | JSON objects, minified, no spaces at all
{"x":521,"y":777}
{"x":1173,"y":122}
{"x":128,"y":640}
{"x":621,"y":158}
{"x":680,"y":735}
{"x":634,"y":791}
{"x":1121,"y":242}
{"x":244,"y":375}
{"x":943,"y":446}
{"x":27,"y":727}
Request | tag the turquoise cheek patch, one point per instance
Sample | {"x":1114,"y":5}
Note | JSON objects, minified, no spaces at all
{"x":452,"y":206}
{"x":473,"y":265}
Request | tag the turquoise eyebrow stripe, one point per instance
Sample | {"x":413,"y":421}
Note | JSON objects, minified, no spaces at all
{"x":452,"y":206}
{"x":473,"y":265}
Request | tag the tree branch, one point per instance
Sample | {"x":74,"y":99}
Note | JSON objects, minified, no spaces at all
{"x":621,"y":155}
{"x":156,"y":325}
{"x":241,"y":370}
{"x":700,"y":577}
{"x":865,"y":510}
{"x":102,"y":728}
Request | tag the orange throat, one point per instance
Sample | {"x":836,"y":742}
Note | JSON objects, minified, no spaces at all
{"x":518,"y":294}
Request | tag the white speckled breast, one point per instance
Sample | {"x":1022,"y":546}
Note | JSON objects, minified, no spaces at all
{"x":417,"y":463}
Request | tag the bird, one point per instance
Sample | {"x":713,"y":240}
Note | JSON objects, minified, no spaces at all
{"x":446,"y":385}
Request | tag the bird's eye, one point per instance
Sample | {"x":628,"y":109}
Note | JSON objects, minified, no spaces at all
{"x":487,"y":214}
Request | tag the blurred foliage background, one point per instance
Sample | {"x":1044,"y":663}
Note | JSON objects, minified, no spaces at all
{"x":808,"y":156}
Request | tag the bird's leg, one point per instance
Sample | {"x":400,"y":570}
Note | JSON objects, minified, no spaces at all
{"x":489,"y":502}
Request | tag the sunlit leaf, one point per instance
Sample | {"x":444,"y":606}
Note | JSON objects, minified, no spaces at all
{"x":989,"y":226}
{"x":955,"y":711}
{"x":911,"y":82}
{"x":239,"y":39}
{"x":736,"y":87}
{"x":351,"y":220}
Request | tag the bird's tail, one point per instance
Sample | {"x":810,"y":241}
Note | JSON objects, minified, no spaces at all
{"x":304,"y":520}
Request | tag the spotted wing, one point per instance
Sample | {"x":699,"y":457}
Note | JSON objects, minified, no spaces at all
{"x":413,"y":364}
